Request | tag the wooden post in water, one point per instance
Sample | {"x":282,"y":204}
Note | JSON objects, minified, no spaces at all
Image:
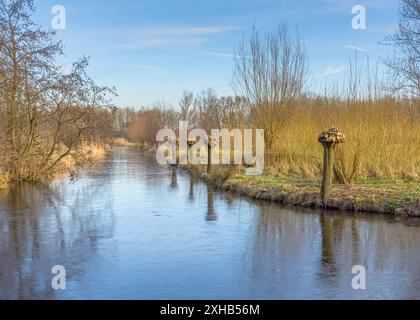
{"x":177,"y":151}
{"x":329,"y":140}
{"x":190,"y":143}
{"x":209,"y":146}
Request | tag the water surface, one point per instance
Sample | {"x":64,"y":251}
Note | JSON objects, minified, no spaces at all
{"x":132,"y":229}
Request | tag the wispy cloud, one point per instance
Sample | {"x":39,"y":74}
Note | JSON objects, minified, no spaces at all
{"x":185,"y":31}
{"x":219,"y":54}
{"x":354,"y":48}
{"x":132,"y":66}
{"x":65,"y":69}
{"x":330,"y":71}
{"x":223,"y":55}
{"x":345,"y":5}
{"x":162,"y":42}
{"x":175,"y":36}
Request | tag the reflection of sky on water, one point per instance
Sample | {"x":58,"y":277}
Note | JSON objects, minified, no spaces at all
{"x":132,"y":229}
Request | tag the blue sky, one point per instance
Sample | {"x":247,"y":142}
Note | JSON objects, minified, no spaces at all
{"x":153,"y":50}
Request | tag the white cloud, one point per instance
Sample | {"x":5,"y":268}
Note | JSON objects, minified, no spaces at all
{"x":175,"y":36}
{"x":66,"y":69}
{"x":219,"y":54}
{"x":185,"y":31}
{"x":333,"y":70}
{"x":161,"y":42}
{"x":330,"y":71}
{"x":354,"y":48}
{"x":222,"y":54}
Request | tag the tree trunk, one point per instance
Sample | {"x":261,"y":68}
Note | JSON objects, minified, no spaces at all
{"x":328,"y":172}
{"x":209,"y":159}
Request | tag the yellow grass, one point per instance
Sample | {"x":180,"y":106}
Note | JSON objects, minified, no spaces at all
{"x":3,"y":180}
{"x":89,"y":151}
{"x":383,"y":140}
{"x":120,"y":142}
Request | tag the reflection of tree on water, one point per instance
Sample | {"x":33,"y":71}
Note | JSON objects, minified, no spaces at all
{"x":134,"y":165}
{"x":39,"y":229}
{"x":296,"y":254}
{"x":383,"y":248}
{"x":281,"y":246}
{"x":331,"y":235}
{"x":13,"y":239}
{"x":276,"y":252}
{"x":191,"y":189}
{"x":174,"y":177}
{"x":211,"y":215}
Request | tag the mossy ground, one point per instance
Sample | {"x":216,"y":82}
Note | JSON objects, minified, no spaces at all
{"x":379,"y":196}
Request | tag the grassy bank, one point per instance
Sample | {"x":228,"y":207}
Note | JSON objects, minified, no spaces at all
{"x":376,"y":196}
{"x":3,"y":180}
{"x":382,"y":140}
{"x":122,"y":142}
{"x":88,"y":154}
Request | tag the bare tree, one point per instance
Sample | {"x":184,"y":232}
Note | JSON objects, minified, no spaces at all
{"x":121,"y":118}
{"x":145,"y":125}
{"x":46,"y":114}
{"x":404,"y":66}
{"x":234,"y":112}
{"x":208,"y":110}
{"x":186,"y":104}
{"x":271,"y":71}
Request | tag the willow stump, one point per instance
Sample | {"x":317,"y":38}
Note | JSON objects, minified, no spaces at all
{"x":329,"y":140}
{"x":210,"y":144}
{"x":190,"y":143}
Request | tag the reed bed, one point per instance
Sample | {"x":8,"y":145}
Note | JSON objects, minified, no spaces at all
{"x":383,"y":140}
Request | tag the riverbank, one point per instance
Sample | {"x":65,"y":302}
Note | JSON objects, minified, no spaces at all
{"x":89,"y":155}
{"x":401,"y":199}
{"x":3,"y":180}
{"x":122,"y":142}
